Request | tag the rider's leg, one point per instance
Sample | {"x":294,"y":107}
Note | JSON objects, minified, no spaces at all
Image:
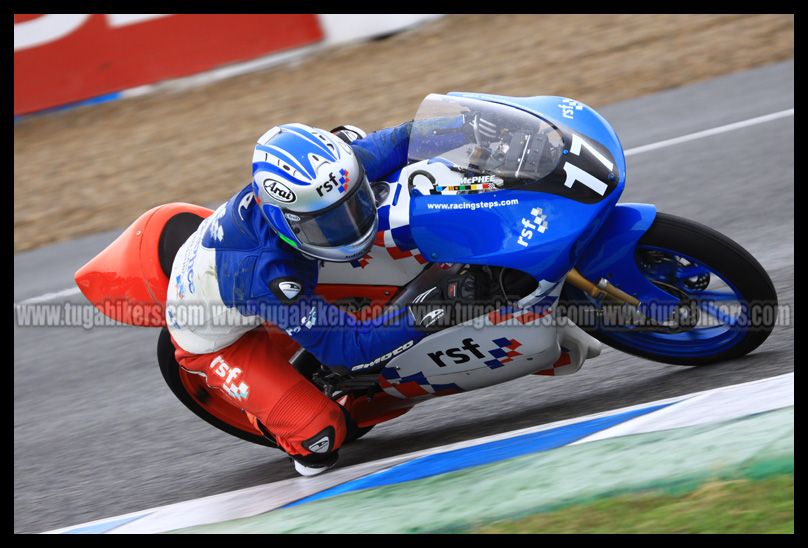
{"x":253,"y":375}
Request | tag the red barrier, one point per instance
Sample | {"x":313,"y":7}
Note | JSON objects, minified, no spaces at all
{"x":62,"y":58}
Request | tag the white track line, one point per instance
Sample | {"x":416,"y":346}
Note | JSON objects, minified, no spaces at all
{"x":51,"y":296}
{"x":764,"y":395}
{"x":710,"y":132}
{"x":630,"y":152}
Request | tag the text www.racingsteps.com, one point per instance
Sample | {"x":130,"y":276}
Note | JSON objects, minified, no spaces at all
{"x":474,"y":205}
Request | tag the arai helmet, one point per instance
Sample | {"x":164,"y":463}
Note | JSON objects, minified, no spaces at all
{"x":314,"y":193}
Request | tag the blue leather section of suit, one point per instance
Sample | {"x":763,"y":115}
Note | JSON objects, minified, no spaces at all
{"x":250,"y":256}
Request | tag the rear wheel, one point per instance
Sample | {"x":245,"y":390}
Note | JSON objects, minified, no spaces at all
{"x":194,"y":394}
{"x":192,"y":391}
{"x":727,"y":302}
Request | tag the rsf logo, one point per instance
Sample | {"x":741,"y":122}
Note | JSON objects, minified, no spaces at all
{"x":504,"y":352}
{"x":530,"y":227}
{"x":279,"y":191}
{"x":230,"y":375}
{"x":569,"y":107}
{"x":332,"y":183}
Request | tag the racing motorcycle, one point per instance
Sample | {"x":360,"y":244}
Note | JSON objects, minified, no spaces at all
{"x":521,"y":195}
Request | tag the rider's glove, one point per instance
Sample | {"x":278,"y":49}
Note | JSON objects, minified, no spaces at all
{"x":442,"y":306}
{"x":349,"y":134}
{"x":469,"y":286}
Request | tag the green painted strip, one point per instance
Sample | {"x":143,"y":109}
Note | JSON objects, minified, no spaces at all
{"x":288,"y":240}
{"x":680,"y":459}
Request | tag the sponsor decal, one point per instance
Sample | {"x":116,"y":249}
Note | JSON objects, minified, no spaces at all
{"x":320,"y":442}
{"x":321,"y":445}
{"x":504,"y":352}
{"x":464,"y":188}
{"x":432,"y":317}
{"x":172,"y":319}
{"x":189,"y":262}
{"x":385,"y":357}
{"x":478,"y":183}
{"x":536,"y":223}
{"x":311,"y":318}
{"x":459,"y":355}
{"x":308,"y":322}
{"x":481,"y":179}
{"x":230,"y":375}
{"x":216,"y":231}
{"x":568,"y":108}
{"x":423,"y":296}
{"x":354,"y":256}
{"x":333,"y":182}
{"x":363,"y":262}
{"x":291,"y":217}
{"x":343,"y":180}
{"x":180,"y":287}
{"x":287,"y":289}
{"x":245,"y":203}
{"x":290,"y":289}
{"x":279,"y":191}
{"x":474,"y":205}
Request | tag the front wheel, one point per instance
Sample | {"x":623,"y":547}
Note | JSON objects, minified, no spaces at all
{"x":727,"y":302}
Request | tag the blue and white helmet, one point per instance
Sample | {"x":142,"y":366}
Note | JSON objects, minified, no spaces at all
{"x":314,"y":192}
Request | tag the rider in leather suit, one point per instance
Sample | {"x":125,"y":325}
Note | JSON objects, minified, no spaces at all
{"x":256,"y":260}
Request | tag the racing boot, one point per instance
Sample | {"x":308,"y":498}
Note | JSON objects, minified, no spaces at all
{"x":314,"y":464}
{"x":323,"y":455}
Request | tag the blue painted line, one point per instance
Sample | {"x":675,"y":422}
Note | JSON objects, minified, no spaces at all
{"x":115,"y":95}
{"x":395,"y":197}
{"x":478,"y":455}
{"x":103,"y":527}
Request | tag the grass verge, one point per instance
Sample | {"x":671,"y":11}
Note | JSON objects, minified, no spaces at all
{"x":734,"y":506}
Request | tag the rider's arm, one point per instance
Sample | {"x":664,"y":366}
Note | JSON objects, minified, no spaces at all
{"x":336,"y":338}
{"x":383,"y":151}
{"x":283,"y":294}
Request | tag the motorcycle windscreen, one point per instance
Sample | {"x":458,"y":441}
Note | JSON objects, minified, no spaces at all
{"x":490,"y":142}
{"x":481,"y":138}
{"x":502,"y":186}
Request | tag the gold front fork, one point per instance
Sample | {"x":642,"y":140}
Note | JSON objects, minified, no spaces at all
{"x":602,"y":289}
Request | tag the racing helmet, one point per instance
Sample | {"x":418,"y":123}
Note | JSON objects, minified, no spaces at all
{"x":313,"y":191}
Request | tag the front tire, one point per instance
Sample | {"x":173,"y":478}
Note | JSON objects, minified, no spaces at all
{"x":673,"y":248}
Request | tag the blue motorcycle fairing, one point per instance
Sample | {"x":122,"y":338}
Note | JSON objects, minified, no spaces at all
{"x":611,"y":255}
{"x":598,"y":238}
{"x":502,"y":228}
{"x":583,"y":120}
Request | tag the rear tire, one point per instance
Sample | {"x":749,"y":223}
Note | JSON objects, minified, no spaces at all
{"x":171,"y":374}
{"x":170,"y":370}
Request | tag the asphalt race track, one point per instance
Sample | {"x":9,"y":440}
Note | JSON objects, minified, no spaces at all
{"x":97,"y":433}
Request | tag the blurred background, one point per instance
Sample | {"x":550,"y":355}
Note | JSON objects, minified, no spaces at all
{"x":118,"y":113}
{"x":100,"y":167}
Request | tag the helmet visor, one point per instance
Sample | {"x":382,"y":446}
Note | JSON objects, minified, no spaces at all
{"x":343,"y":223}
